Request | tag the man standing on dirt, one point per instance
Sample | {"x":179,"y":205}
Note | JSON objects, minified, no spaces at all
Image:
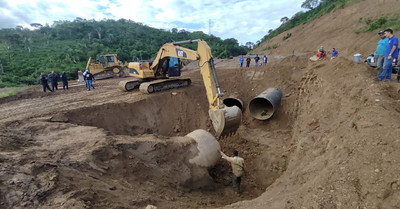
{"x":265,"y":60}
{"x":64,"y":80}
{"x":380,"y":51}
{"x":248,"y":59}
{"x":53,"y":77}
{"x":43,"y":81}
{"x":256,"y":60}
{"x":237,"y":164}
{"x":392,"y":52}
{"x":241,"y":60}
{"x":89,"y":79}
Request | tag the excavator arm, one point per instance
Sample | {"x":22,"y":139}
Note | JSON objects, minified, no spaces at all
{"x":225,"y":119}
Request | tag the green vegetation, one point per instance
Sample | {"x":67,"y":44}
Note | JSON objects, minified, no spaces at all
{"x":271,"y":47}
{"x":66,"y":46}
{"x":324,"y":6}
{"x":287,"y":36}
{"x":380,"y":23}
{"x":9,"y":93}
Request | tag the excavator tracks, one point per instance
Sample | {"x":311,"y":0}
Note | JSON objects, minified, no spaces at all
{"x":129,"y":85}
{"x":164,"y":84}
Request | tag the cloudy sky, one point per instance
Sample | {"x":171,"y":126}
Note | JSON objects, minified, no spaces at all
{"x":244,"y":20}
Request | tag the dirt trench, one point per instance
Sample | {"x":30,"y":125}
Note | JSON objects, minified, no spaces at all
{"x":122,"y":153}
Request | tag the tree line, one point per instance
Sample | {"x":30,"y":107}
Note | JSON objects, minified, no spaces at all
{"x":67,"y":45}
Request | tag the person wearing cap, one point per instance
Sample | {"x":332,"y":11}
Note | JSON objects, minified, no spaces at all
{"x":380,"y":51}
{"x":391,"y":53}
{"x":237,"y":164}
{"x":322,"y":53}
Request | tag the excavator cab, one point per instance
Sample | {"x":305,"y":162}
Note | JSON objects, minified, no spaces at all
{"x":108,"y":60}
{"x":171,"y":67}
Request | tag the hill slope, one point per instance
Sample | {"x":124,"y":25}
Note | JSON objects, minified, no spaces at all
{"x":336,"y":29}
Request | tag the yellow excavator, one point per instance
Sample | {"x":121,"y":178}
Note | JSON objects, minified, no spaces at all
{"x":158,"y":75}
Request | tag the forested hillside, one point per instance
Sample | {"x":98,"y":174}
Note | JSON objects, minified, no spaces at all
{"x":66,"y":46}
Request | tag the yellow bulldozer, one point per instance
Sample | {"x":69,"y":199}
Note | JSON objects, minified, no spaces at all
{"x":107,"y":66}
{"x":160,"y":74}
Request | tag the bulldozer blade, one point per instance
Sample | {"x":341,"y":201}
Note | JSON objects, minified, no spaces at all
{"x":226,"y":120}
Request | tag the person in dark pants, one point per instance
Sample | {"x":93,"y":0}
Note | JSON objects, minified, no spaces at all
{"x":43,"y":81}
{"x":248,"y":59}
{"x":237,"y":164}
{"x":89,"y":79}
{"x":256,"y":60}
{"x":64,"y":80}
{"x":53,"y":77}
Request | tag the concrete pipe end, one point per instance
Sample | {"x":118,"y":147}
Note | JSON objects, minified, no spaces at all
{"x":261,"y":109}
{"x":233,"y":101}
{"x":208,"y":148}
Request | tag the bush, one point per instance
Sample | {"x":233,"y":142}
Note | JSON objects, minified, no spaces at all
{"x":378,"y":23}
{"x":271,"y":47}
{"x":287,"y":36}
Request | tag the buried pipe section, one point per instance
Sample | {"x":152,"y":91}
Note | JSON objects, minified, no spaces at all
{"x":233,"y":101}
{"x":263,"y":106}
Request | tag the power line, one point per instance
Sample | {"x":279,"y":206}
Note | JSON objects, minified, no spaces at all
{"x":209,"y":26}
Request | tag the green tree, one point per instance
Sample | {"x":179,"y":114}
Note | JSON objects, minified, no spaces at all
{"x":66,"y":46}
{"x":309,"y":4}
{"x":284,"y":19}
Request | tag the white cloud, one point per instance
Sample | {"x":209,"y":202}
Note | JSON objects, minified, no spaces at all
{"x":244,"y":20}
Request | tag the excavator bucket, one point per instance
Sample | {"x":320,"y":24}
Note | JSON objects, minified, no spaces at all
{"x":226,"y":120}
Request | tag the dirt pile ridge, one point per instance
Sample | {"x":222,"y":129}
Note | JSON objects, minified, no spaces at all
{"x":332,"y":143}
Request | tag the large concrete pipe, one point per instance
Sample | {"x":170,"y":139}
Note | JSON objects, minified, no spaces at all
{"x":206,"y":150}
{"x":233,"y":101}
{"x":202,"y":155}
{"x":263,"y":106}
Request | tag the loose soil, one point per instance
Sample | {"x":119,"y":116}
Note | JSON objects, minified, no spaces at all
{"x":332,"y":143}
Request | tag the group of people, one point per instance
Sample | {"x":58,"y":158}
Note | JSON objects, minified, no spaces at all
{"x":256,"y":59}
{"x":387,"y":53}
{"x":322,"y":53}
{"x":53,"y":78}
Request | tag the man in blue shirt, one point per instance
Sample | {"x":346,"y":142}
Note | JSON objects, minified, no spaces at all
{"x":241,"y":59}
{"x":380,"y":51}
{"x":391,"y":53}
{"x":334,"y":53}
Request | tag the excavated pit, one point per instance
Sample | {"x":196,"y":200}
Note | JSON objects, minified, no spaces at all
{"x":162,"y":114}
{"x":150,"y":150}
